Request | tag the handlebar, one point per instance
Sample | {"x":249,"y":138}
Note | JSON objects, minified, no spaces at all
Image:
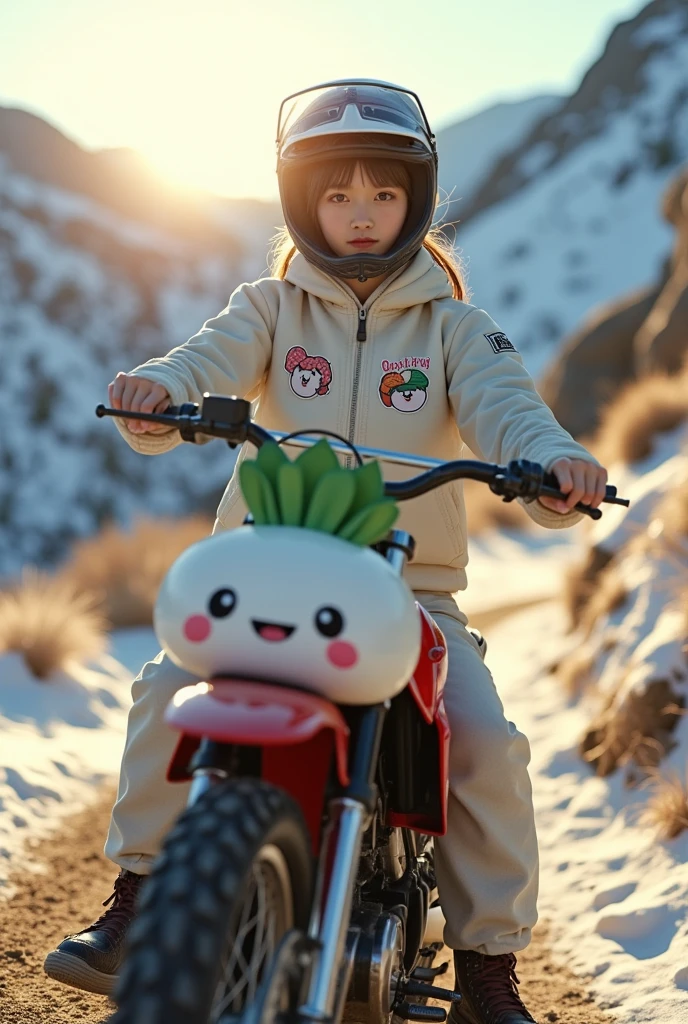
{"x":229,"y":418}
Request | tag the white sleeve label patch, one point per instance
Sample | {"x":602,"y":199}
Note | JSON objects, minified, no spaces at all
{"x":500,"y":342}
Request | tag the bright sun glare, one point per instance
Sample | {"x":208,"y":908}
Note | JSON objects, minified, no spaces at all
{"x":195,"y":85}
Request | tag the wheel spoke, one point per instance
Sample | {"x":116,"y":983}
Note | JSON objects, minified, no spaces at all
{"x":261,"y":922}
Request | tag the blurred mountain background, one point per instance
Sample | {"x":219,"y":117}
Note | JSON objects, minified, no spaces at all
{"x":571,"y":213}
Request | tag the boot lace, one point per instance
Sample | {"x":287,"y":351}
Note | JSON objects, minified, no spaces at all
{"x":496,"y":991}
{"x":123,"y":908}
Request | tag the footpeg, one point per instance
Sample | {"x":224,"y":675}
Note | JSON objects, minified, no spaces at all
{"x":418,"y":988}
{"x":416,"y":1011}
{"x":429,"y":973}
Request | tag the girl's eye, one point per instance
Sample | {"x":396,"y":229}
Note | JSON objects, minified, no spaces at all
{"x":329,"y":621}
{"x":335,"y":198}
{"x":222,"y":603}
{"x":390,"y":195}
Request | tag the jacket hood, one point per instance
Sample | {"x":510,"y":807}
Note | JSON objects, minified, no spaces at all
{"x":420,"y":280}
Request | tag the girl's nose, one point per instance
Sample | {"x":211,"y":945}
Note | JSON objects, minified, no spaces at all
{"x":361,"y":218}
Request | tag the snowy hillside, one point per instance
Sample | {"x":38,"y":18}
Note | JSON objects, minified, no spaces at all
{"x":469,"y":149}
{"x":84,"y":293}
{"x":580,"y":223}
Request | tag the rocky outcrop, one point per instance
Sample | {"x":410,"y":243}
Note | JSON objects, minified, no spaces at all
{"x":611,"y":84}
{"x":662,"y":341}
{"x":642,"y":333}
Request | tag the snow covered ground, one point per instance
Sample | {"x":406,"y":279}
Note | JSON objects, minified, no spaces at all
{"x":616,"y":896}
{"x":59,"y":738}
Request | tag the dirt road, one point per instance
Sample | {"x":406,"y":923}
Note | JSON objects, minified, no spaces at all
{"x":69,"y":880}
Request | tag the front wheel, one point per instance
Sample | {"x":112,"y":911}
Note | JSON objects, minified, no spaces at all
{"x":233,"y":878}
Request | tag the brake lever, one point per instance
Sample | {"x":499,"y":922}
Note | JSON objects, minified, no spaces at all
{"x":550,"y":489}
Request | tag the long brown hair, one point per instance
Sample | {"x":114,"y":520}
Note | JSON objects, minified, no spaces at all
{"x":339,"y":174}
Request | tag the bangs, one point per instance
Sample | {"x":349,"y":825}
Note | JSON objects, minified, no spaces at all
{"x":340,"y":174}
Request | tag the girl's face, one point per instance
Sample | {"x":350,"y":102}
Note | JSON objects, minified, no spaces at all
{"x":361,"y":210}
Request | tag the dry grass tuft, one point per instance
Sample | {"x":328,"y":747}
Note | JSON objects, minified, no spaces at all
{"x":635,"y":727}
{"x":575,"y":672}
{"x":124,"y":570}
{"x":580,"y":583}
{"x":643,"y":409}
{"x":48,"y":621}
{"x":485,"y":510}
{"x":608,"y":594}
{"x":666,"y":810}
{"x":673,"y":514}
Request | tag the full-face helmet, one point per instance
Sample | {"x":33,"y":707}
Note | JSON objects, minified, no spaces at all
{"x":355,"y":119}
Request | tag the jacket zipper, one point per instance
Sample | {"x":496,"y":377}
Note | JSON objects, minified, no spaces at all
{"x":361,"y":336}
{"x":362,"y":316}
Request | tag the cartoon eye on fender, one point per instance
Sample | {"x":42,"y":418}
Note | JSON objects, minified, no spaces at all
{"x":222,"y":603}
{"x":329,"y":621}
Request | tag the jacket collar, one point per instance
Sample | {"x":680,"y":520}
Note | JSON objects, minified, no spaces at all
{"x":420,"y":280}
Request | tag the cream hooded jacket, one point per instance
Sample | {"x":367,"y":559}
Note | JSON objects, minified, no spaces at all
{"x":411,"y":370}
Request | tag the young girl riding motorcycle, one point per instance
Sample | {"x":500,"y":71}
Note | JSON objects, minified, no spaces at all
{"x":363,"y":329}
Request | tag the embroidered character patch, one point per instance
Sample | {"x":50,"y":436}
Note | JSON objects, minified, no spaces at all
{"x":309,"y":375}
{"x":500,"y":342}
{"x":405,"y":390}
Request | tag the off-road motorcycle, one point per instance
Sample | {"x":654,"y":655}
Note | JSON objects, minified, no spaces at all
{"x":297,"y":884}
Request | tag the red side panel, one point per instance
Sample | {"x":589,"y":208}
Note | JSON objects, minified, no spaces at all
{"x":430,"y":674}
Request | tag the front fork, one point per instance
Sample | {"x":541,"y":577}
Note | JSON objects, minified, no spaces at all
{"x":348,"y":818}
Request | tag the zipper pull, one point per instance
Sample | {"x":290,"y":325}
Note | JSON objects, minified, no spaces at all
{"x":361,"y":335}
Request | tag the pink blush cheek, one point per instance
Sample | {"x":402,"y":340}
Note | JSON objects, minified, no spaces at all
{"x":197,"y":628}
{"x":342,"y":654}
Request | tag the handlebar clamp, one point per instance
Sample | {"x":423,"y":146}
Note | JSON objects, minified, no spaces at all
{"x":523,"y":479}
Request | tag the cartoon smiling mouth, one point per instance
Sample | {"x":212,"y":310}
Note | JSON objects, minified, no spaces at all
{"x":272,"y":631}
{"x":305,"y":381}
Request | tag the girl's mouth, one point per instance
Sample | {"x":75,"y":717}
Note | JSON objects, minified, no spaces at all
{"x":362,"y":243}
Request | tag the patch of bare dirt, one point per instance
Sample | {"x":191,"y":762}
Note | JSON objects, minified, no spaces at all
{"x":69,"y":879}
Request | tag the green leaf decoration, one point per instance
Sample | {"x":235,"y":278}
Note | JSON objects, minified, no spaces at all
{"x":314,"y":463}
{"x":331,"y":500}
{"x":259,"y":495}
{"x":290,"y":494}
{"x":270,"y":503}
{"x":370,"y":524}
{"x":251,"y":480}
{"x":370,"y":487}
{"x":316,"y":493}
{"x":270,"y":459}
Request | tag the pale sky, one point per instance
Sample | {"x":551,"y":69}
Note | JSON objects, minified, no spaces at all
{"x":195,"y":85}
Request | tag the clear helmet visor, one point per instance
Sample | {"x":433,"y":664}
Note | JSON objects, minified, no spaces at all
{"x":351,"y":105}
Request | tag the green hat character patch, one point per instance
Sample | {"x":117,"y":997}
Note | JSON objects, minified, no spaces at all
{"x":405,"y":391}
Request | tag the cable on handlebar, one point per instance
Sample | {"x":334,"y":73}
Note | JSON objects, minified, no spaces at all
{"x":325,"y":433}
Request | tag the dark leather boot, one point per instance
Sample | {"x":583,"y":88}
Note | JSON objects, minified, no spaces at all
{"x":91,"y":959}
{"x":488,"y":985}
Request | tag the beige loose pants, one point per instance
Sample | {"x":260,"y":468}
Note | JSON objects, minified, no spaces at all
{"x":487,"y":864}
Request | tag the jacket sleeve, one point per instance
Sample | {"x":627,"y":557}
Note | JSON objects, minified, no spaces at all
{"x":499,"y":413}
{"x":230,"y":355}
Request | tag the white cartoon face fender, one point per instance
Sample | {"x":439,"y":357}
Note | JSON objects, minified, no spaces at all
{"x":310,"y":375}
{"x":405,"y":390}
{"x":291,"y":605}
